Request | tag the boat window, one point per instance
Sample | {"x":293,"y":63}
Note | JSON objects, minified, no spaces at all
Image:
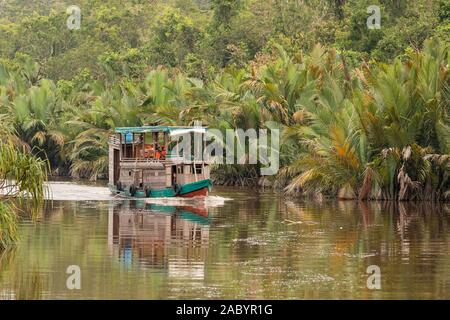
{"x":198,"y":169}
{"x":180,"y":169}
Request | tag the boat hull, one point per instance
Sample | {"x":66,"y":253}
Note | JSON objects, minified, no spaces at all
{"x":197,"y":193}
{"x":196,"y":189}
{"x":189,"y":190}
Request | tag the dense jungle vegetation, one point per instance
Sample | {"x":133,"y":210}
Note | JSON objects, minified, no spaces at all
{"x":364,"y":113}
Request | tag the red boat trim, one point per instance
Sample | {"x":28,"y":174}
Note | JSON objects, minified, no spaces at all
{"x":203,"y":192}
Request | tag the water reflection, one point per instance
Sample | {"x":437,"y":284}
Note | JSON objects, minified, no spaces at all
{"x":155,"y":236}
{"x":257,"y":246}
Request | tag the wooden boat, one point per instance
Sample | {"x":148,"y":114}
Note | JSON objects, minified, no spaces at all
{"x":143,"y":165}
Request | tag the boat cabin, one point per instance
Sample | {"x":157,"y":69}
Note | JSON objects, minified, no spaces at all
{"x":143,"y":163}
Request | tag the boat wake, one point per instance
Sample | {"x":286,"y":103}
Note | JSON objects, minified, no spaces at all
{"x":78,"y":192}
{"x":209,"y":201}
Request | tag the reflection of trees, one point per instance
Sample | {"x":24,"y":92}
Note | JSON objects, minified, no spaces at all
{"x":70,"y":233}
{"x":24,"y":284}
{"x":253,"y":247}
{"x":326,"y":253}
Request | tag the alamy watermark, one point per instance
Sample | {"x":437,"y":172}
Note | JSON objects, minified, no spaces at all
{"x":74,"y":19}
{"x":374,"y":20}
{"x":374,"y":280}
{"x":233,"y":146}
{"x":74,"y":279}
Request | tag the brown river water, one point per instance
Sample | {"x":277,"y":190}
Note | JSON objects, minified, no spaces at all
{"x":240,"y":244}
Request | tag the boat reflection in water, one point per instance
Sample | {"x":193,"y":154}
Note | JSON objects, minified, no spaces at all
{"x":158,"y":237}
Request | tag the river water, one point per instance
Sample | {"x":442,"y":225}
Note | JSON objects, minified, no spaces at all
{"x":240,"y":244}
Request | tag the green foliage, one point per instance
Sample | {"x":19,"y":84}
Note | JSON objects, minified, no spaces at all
{"x":21,"y":182}
{"x":444,"y":10}
{"x":133,"y":36}
{"x":224,"y":12}
{"x":379,"y":141}
{"x":364,"y":113}
{"x":8,"y":225}
{"x":174,"y":37}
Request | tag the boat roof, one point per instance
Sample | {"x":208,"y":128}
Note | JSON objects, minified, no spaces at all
{"x":168,"y":129}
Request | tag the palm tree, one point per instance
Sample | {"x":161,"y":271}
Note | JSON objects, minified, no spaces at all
{"x":404,"y":114}
{"x":385,"y":138}
{"x":36,"y":109}
{"x":119,"y":105}
{"x":166,"y":98}
{"x":334,"y":150}
{"x":21,"y":183}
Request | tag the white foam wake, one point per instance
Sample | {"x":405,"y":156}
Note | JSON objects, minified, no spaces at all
{"x":209,"y":201}
{"x":76,"y":192}
{"x":79,"y":192}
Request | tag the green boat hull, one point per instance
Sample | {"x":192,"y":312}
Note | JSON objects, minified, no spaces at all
{"x":194,"y":189}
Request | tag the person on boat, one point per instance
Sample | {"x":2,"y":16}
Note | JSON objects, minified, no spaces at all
{"x":163,"y":153}
{"x":174,"y":178}
{"x":148,"y":151}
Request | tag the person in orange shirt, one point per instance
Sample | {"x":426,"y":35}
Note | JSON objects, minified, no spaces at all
{"x":148,"y":151}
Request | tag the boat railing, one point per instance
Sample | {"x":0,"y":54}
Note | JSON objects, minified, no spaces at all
{"x":168,"y":160}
